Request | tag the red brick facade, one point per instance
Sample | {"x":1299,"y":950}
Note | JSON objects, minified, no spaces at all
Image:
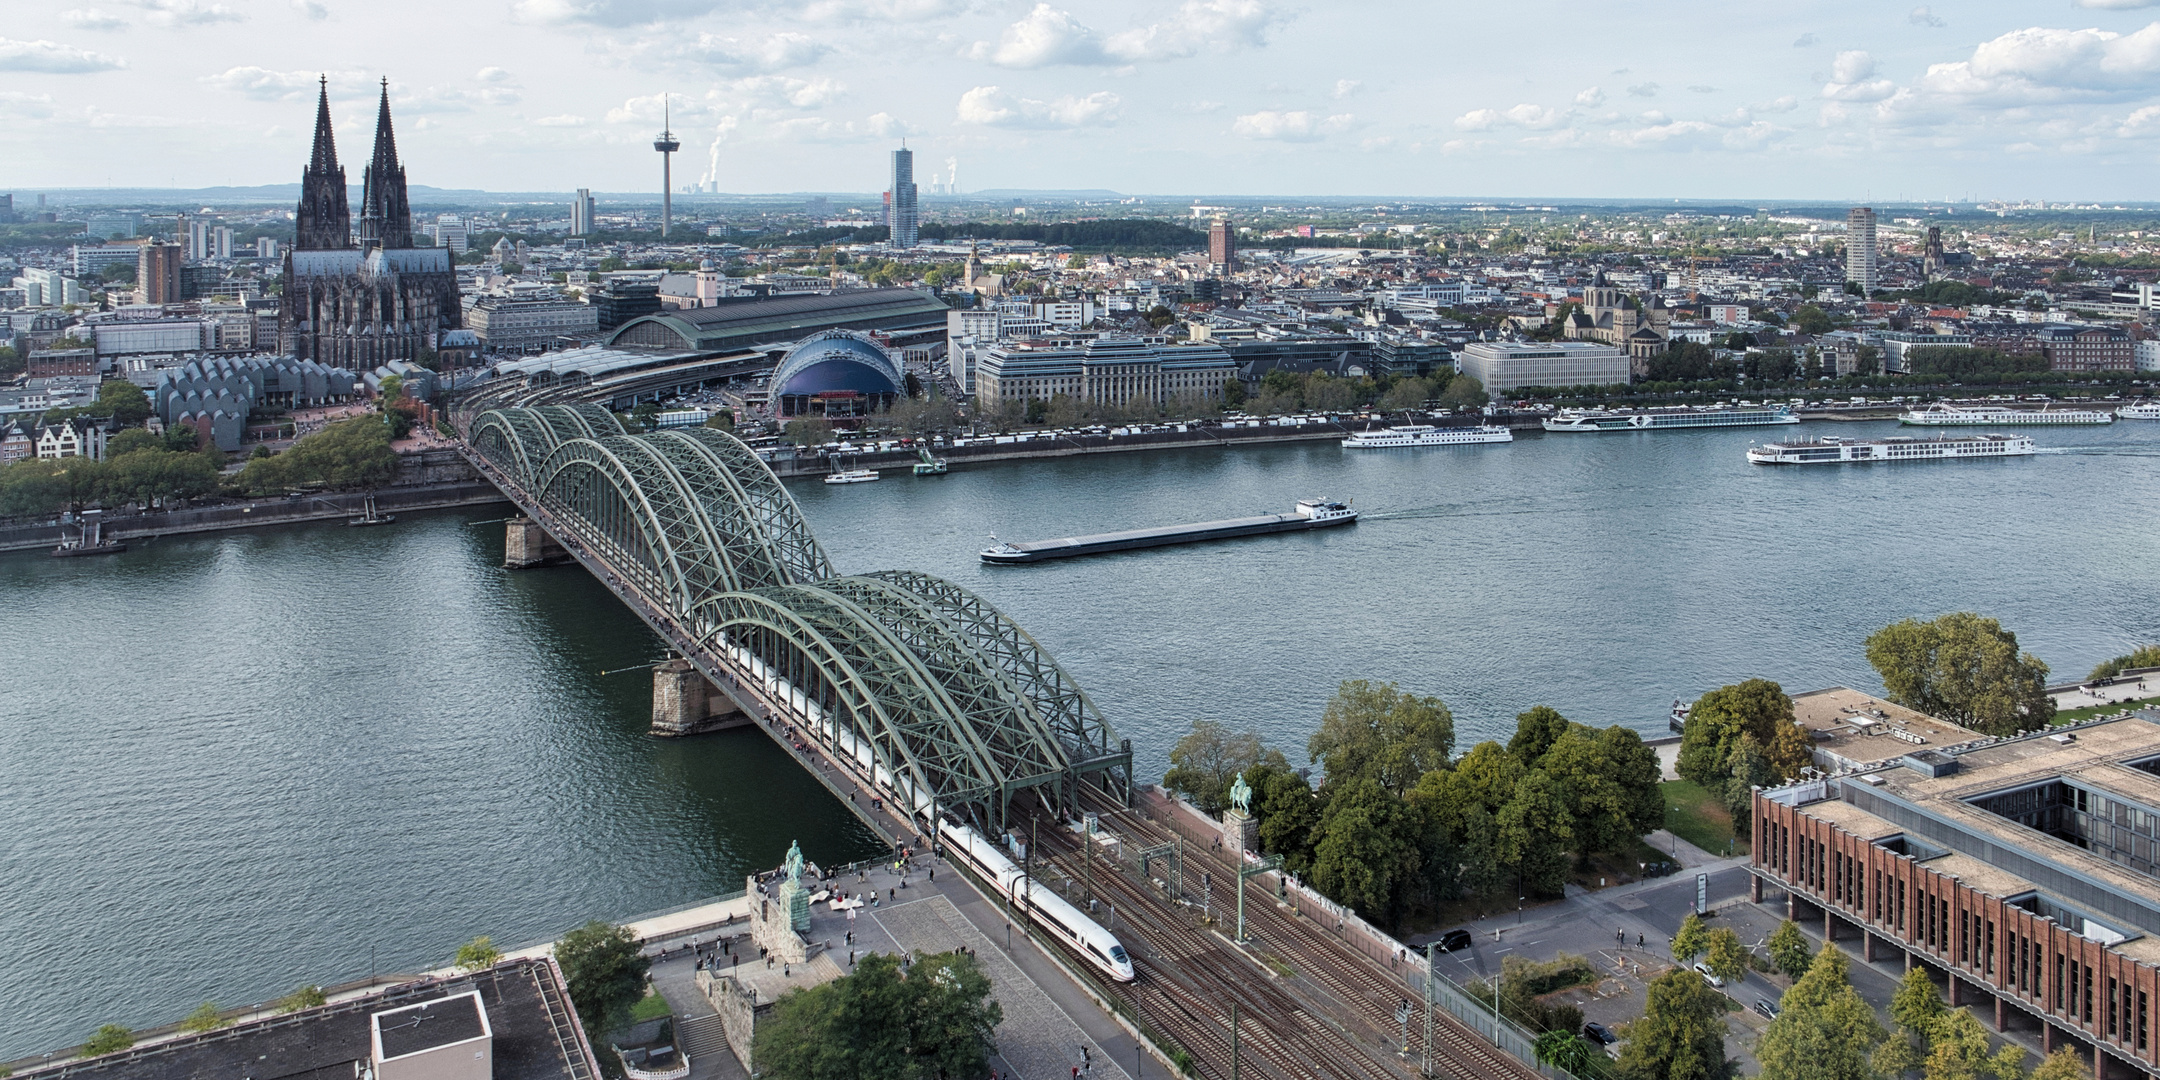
{"x":2030,"y":962}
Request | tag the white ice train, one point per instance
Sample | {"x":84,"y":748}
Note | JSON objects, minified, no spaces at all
{"x":1068,"y":924}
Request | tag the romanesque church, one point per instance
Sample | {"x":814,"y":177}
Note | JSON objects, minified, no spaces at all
{"x":359,"y":307}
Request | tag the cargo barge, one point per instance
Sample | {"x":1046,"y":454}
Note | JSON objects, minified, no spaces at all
{"x":1310,"y":514}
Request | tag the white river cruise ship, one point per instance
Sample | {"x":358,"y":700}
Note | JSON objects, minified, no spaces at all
{"x":2144,"y":410}
{"x":1663,"y":419}
{"x":1832,"y":450}
{"x":1940,"y":415}
{"x":1426,"y":435}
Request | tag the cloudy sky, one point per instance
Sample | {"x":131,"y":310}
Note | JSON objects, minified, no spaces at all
{"x":1829,"y":99}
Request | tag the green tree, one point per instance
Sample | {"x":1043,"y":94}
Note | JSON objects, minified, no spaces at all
{"x":1407,"y":394}
{"x":1824,"y":1030}
{"x":1536,"y":834}
{"x":2144,"y":656}
{"x":1535,"y":732}
{"x":131,"y":440}
{"x":1210,"y":756}
{"x":647,"y":415}
{"x":1692,"y":941}
{"x":1378,"y":732}
{"x":1564,"y":1049}
{"x":109,"y":1039}
{"x":124,"y":401}
{"x":1609,"y":785}
{"x":1811,"y":319}
{"x":1965,"y":669}
{"x":1681,"y":1035}
{"x":1724,"y":955}
{"x":1289,"y":811}
{"x":1233,"y":393}
{"x":352,"y":453}
{"x":204,"y":1019}
{"x":1918,"y":1002}
{"x":2063,"y":1064}
{"x":479,"y":954}
{"x":933,"y":1018}
{"x":1958,"y":1050}
{"x":307,"y":997}
{"x":1464,"y":392}
{"x":605,"y":975}
{"x":809,"y":431}
{"x":1789,"y":950}
{"x":1365,"y":848}
{"x":1756,"y":708}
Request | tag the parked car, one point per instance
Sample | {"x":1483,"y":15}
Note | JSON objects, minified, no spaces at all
{"x":1454,"y":940}
{"x":1599,"y":1034}
{"x":1767,"y":1008}
{"x":1703,"y":970}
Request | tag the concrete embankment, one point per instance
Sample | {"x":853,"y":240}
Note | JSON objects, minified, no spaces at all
{"x":1024,"y":447}
{"x":260,"y":512}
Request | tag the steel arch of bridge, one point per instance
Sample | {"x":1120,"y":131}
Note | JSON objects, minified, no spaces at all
{"x":947,"y":701}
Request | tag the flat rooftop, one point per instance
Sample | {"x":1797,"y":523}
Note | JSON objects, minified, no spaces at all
{"x":333,"y":1042}
{"x":442,"y":1022}
{"x":1998,"y":855}
{"x":1866,"y":730}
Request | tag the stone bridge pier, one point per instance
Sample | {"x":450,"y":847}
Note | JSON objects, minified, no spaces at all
{"x":685,"y":702}
{"x":526,"y":544}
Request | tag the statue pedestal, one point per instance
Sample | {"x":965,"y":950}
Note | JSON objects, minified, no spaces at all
{"x":1240,"y":830}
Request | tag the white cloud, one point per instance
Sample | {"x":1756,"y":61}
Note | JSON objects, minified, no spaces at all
{"x":53,"y":58}
{"x":1045,"y":37}
{"x":608,"y":12}
{"x":892,"y":11}
{"x":1591,"y":98}
{"x":1784,"y":104}
{"x":1700,"y":89}
{"x":187,"y":13}
{"x":1534,"y":116}
{"x":2117,"y":5}
{"x":1048,"y":36}
{"x":2145,"y":121}
{"x":1922,"y":16}
{"x":1297,"y":126}
{"x":2041,"y":66}
{"x":494,"y":75}
{"x":311,"y":9}
{"x":94,"y":19}
{"x":1480,"y":120}
{"x":1805,"y":41}
{"x":785,"y":90}
{"x":778,"y":52}
{"x":1346,"y":87}
{"x":1217,"y":25}
{"x":263,"y":84}
{"x":27,"y":106}
{"x":1648,"y":89}
{"x":990,"y":106}
{"x":565,"y":120}
{"x":1852,"y":79}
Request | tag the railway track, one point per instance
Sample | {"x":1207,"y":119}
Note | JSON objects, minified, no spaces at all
{"x":1370,"y":990}
{"x":1188,"y":982}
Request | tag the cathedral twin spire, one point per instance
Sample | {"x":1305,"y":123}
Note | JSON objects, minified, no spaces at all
{"x":324,"y":218}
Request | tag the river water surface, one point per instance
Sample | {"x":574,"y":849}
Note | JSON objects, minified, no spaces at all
{"x":236,"y":763}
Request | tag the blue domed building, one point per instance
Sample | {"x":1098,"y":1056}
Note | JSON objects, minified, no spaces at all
{"x":836,"y":373}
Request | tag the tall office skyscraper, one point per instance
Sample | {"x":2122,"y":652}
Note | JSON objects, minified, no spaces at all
{"x":157,"y":273}
{"x":1860,"y":260}
{"x":1222,"y":246}
{"x":581,"y":213}
{"x":901,"y":214}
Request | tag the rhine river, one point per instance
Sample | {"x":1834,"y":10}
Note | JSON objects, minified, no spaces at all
{"x":241,"y":762}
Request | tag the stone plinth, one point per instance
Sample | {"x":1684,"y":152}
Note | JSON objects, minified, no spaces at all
{"x":526,"y":544}
{"x":1240,"y":830}
{"x":684,"y":702}
{"x":772,"y":928}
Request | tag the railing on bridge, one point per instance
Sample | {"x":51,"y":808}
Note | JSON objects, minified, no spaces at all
{"x":928,"y":689}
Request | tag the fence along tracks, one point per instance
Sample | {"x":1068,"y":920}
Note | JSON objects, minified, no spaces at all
{"x":1333,"y":1015}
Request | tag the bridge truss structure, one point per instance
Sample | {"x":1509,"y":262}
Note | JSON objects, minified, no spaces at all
{"x":923,"y":687}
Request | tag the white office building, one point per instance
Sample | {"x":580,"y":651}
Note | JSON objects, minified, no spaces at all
{"x":1109,"y":370}
{"x":1860,"y":253}
{"x":520,"y":325}
{"x":581,"y":213}
{"x":451,"y":232}
{"x":1510,"y":365}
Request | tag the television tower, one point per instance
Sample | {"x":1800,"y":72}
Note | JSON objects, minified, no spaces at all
{"x":667,"y":145}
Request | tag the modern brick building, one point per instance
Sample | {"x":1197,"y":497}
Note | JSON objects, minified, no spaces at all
{"x":2024,"y":873}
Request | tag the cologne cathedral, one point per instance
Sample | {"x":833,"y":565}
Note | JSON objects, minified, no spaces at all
{"x":358,"y":307}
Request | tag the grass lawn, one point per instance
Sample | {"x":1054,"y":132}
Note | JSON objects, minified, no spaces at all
{"x":1696,"y":817}
{"x":2072,"y":716}
{"x":651,"y":1007}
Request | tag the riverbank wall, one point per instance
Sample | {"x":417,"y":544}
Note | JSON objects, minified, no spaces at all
{"x":1029,"y":445}
{"x":430,"y":480}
